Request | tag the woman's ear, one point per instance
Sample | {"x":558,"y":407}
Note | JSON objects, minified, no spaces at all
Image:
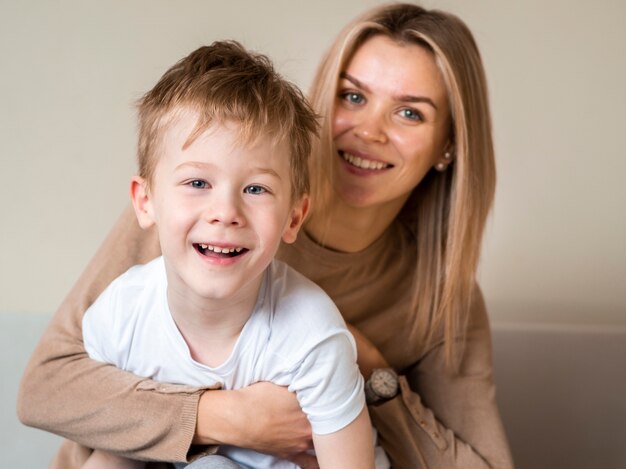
{"x":447,"y":158}
{"x":296,"y":218}
{"x":142,"y":202}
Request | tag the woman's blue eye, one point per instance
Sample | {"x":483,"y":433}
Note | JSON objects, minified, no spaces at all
{"x":354,"y":98}
{"x":198,"y":184}
{"x":411,"y":114}
{"x":255,"y":190}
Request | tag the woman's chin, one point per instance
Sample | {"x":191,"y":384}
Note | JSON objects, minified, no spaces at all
{"x":356,"y":197}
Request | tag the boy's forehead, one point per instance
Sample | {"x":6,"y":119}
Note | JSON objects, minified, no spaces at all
{"x":186,"y":131}
{"x":187,"y":126}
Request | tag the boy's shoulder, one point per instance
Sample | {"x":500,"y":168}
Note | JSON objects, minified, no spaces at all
{"x":299,"y":306}
{"x":149,"y":275}
{"x":292,"y":290}
{"x":144,"y":274}
{"x":130,"y":304}
{"x":138,"y":283}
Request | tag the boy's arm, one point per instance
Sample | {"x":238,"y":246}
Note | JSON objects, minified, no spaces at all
{"x":350,"y":447}
{"x":330,"y":387}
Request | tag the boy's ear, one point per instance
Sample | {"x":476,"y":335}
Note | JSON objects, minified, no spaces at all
{"x":141,"y":202}
{"x":298,"y":213}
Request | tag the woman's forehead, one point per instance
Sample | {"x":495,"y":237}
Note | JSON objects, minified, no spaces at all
{"x":401,"y":70}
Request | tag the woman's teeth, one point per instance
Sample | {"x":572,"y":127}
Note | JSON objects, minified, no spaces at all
{"x":362,"y":162}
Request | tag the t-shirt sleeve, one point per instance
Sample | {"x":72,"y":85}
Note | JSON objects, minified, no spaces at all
{"x":110,"y":322}
{"x":328,"y":383}
{"x":98,"y":328}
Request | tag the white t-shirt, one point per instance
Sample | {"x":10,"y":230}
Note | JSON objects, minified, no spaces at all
{"x":295,"y":337}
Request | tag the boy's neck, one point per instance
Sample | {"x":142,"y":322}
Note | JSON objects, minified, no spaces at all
{"x":210,"y":327}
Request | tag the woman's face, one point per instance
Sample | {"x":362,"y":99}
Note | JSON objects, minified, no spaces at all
{"x":391,"y":123}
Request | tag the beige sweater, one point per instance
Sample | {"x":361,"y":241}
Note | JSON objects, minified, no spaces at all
{"x":438,"y":421}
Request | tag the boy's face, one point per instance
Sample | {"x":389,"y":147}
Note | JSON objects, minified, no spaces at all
{"x":221,"y":208}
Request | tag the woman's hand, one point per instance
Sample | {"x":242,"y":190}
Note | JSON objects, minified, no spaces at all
{"x":368,"y":355}
{"x":264,"y":417}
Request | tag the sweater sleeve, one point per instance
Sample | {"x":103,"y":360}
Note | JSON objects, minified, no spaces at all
{"x":97,"y":405}
{"x":452,"y":418}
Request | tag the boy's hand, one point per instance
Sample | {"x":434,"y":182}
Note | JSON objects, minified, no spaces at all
{"x":264,"y":417}
{"x":368,"y":355}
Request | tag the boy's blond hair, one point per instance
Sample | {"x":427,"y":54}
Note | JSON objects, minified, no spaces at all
{"x":223,"y":83}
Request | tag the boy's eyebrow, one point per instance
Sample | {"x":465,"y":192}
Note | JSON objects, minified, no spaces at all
{"x":408,"y":98}
{"x":269,"y":171}
{"x":201,"y":165}
{"x":193,"y":164}
{"x":263,"y":170}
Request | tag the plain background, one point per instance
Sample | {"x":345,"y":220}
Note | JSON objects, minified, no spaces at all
{"x":555,"y":250}
{"x":554,"y":255}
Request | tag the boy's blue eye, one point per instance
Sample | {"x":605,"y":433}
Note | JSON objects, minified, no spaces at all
{"x":255,"y":189}
{"x":198,"y":184}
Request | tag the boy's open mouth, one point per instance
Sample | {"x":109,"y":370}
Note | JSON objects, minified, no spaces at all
{"x":216,"y":251}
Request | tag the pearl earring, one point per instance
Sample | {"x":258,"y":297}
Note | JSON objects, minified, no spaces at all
{"x":442,"y":166}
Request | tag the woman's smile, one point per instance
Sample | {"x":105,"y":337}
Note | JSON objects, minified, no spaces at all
{"x":363,"y":162}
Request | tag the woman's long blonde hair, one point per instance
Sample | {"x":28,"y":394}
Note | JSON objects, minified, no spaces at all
{"x":447,"y":210}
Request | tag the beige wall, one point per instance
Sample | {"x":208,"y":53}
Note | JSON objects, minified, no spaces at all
{"x":556,"y":244}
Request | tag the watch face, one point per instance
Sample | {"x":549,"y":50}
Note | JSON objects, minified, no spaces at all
{"x":384,"y":382}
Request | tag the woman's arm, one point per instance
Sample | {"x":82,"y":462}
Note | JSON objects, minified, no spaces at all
{"x":262,"y":416}
{"x":104,"y":460}
{"x":368,"y":356}
{"x":100,"y":406}
{"x":447,"y":420}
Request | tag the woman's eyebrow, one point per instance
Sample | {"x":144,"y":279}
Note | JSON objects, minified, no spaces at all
{"x":407,"y":97}
{"x":354,"y":81}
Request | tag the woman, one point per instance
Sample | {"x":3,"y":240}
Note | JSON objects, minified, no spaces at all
{"x":403,"y":181}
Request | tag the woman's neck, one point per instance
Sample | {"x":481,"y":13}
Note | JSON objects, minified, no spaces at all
{"x":350,"y":229}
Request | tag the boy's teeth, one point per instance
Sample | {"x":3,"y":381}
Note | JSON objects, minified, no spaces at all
{"x":362,"y":162}
{"x":218,"y":249}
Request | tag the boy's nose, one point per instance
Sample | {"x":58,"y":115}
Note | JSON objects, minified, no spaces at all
{"x":224,"y":210}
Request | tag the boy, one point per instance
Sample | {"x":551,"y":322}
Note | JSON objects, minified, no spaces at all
{"x":223,"y":146}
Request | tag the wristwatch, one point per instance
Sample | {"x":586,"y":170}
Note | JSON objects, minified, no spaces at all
{"x":381,"y":386}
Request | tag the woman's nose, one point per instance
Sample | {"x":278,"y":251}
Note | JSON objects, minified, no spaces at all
{"x":371,"y":129}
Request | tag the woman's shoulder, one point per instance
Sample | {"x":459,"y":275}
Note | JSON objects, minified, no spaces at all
{"x":477,"y":314}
